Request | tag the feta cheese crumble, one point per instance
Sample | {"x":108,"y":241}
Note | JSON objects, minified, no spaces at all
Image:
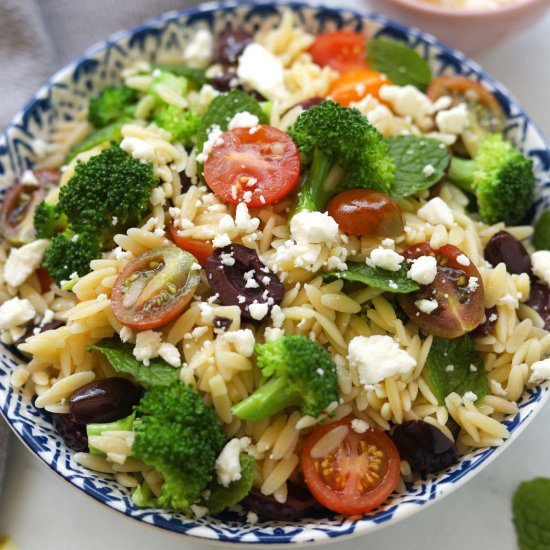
{"x":436,"y":211}
{"x":199,"y":52}
{"x":147,"y":346}
{"x":462,"y":259}
{"x":243,"y":341}
{"x":377,"y":358}
{"x":541,"y":265}
{"x":258,"y":311}
{"x":423,"y":270}
{"x":453,"y":121}
{"x":228,"y":465}
{"x":15,"y":312}
{"x":243,"y":120}
{"x":359,"y":426}
{"x":385,"y":259}
{"x":214,"y":140}
{"x":139,"y":149}
{"x":23,"y":261}
{"x":540,"y":371}
{"x":426,"y":306}
{"x":313,"y":228}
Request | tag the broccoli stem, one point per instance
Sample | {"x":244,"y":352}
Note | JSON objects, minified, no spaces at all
{"x":269,"y":399}
{"x":125,"y":425}
{"x":461,"y":173}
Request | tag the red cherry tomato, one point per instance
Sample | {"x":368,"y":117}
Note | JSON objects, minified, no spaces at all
{"x":460,"y":298}
{"x":258,"y":168}
{"x":366,"y":212}
{"x":155,"y":288}
{"x":342,"y":50}
{"x":355,"y":85}
{"x":200,"y":249}
{"x":355,"y":477}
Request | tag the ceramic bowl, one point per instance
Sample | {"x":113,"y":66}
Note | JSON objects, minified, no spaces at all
{"x":67,"y":93}
{"x":470,"y":31}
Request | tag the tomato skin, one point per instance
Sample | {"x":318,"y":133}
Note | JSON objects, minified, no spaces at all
{"x":155,"y":288}
{"x":343,"y":51}
{"x":351,"y":461}
{"x":355,"y":85}
{"x":366,"y":212}
{"x":264,"y":164}
{"x":200,"y":249}
{"x":459,"y":310}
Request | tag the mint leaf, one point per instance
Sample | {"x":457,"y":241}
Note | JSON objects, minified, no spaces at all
{"x":399,"y":62}
{"x":389,"y":281}
{"x":223,"y":108}
{"x":420,"y":163}
{"x":158,"y":373}
{"x":224,"y":497}
{"x":467,"y":372}
{"x":531,"y":505}
{"x":541,"y":239}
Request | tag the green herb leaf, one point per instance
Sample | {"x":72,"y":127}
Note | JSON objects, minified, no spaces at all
{"x":224,"y":497}
{"x":158,"y":373}
{"x":541,"y":239}
{"x":196,"y":76}
{"x":467,"y":372}
{"x":531,"y":504}
{"x":389,"y":281}
{"x":223,"y":108}
{"x":399,"y":62}
{"x":420,"y":163}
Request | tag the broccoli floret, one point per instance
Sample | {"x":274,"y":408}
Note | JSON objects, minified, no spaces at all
{"x":48,"y":221}
{"x":300,"y":373}
{"x":179,"y":436}
{"x":69,"y":253}
{"x":108,"y":194}
{"x":167,"y":83}
{"x":183,"y":125}
{"x":501,"y":179}
{"x":112,"y":104}
{"x":341,"y":150}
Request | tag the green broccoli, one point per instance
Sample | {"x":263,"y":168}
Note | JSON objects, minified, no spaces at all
{"x":501,"y":179}
{"x":179,"y":436}
{"x":112,"y":104}
{"x":183,"y":125}
{"x":341,"y":150}
{"x":300,"y":373}
{"x":107,"y":195}
{"x":164,"y":82}
{"x":48,"y":221}
{"x":69,"y":253}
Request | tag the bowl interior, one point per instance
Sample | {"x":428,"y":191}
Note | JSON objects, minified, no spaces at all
{"x":66,"y":94}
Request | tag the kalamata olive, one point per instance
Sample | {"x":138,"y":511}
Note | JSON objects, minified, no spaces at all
{"x":299,"y":504}
{"x":73,"y":433}
{"x":222,"y":323}
{"x":104,"y":400}
{"x":43,"y":328}
{"x":239,"y":277}
{"x":230,"y":45}
{"x":224,"y":80}
{"x":505,"y":248}
{"x":539,"y":300}
{"x":486,"y":326}
{"x":185,"y":182}
{"x":426,"y":448}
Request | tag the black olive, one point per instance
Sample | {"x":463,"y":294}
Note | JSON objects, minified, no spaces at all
{"x":31,"y":330}
{"x":229,"y":281}
{"x":230,"y":45}
{"x":503,"y":247}
{"x":185,"y":182}
{"x":485,"y":328}
{"x":222,"y":323}
{"x":225,"y":80}
{"x":539,"y":300}
{"x":105,"y":400}
{"x":426,"y":448}
{"x":299,"y":504}
{"x":72,"y":432}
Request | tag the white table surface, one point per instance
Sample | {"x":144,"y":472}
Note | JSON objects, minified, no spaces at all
{"x":42,"y":512}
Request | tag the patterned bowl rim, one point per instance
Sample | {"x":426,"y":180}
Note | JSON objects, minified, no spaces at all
{"x":539,"y":396}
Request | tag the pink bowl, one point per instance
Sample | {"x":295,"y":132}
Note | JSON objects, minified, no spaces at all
{"x":470,"y":31}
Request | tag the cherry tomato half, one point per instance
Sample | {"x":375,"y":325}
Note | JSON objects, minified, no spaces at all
{"x":256,"y":167}
{"x":200,"y":249}
{"x":460,"y":298}
{"x":342,"y":50}
{"x":366,"y":212}
{"x":155,"y":287}
{"x":355,"y":85}
{"x":355,"y":477}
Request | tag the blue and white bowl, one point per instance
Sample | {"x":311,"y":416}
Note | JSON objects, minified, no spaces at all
{"x":67,"y":93}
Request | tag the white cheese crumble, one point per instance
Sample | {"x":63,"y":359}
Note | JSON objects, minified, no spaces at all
{"x":436,"y":211}
{"x":313,"y":228}
{"x":140,"y":149}
{"x":359,"y":426}
{"x":377,"y":358}
{"x":410,"y":102}
{"x":540,"y":371}
{"x":126,"y":334}
{"x":252,"y":518}
{"x":29,"y":178}
{"x":243,"y":341}
{"x":541,"y":265}
{"x":277,"y":315}
{"x":453,"y":121}
{"x":170,"y":354}
{"x":262,"y":71}
{"x":385,"y":259}
{"x":473,"y":284}
{"x":469,"y":397}
{"x":423,"y":270}
{"x":462,"y":259}
{"x":273,"y":333}
{"x":23,"y":261}
{"x":428,"y":170}
{"x":221,"y":240}
{"x":244,"y":222}
{"x":15,"y":312}
{"x":214,"y":140}
{"x":426,"y":306}
{"x":258,"y":311}
{"x":147,"y":346}
{"x":228,"y":465}
{"x":243,"y":120}
{"x":199,"y":52}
